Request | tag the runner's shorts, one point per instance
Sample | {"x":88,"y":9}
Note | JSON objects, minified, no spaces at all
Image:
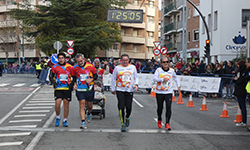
{"x":64,"y":94}
{"x":88,"y":96}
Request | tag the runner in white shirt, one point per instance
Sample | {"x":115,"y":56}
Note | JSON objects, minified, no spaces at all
{"x":125,"y":79}
{"x":164,"y":77}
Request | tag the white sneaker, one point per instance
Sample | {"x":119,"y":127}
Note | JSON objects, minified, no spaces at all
{"x":241,"y":124}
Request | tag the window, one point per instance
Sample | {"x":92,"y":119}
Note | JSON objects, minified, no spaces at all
{"x":135,"y":2}
{"x":115,"y":46}
{"x":150,"y":34}
{"x":178,"y":18}
{"x":188,"y":36}
{"x":245,"y":17}
{"x":136,"y":48}
{"x":150,"y":49}
{"x":32,"y":47}
{"x":135,"y":33}
{"x":123,"y":48}
{"x":189,"y":11}
{"x":122,"y":32}
{"x":215,"y":20}
{"x":196,"y":35}
{"x":8,"y":2}
{"x":195,"y":12}
{"x":151,"y":19}
{"x":209,"y":22}
{"x":203,"y":26}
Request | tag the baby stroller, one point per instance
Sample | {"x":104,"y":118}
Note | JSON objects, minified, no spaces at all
{"x":99,"y":99}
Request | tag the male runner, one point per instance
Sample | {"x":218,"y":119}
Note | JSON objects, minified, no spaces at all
{"x":60,"y":76}
{"x":125,"y":78}
{"x":164,"y":77}
{"x":84,"y":75}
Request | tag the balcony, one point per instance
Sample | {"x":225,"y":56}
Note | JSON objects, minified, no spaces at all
{"x":8,"y":39}
{"x":113,"y":53}
{"x":135,"y":55}
{"x":173,"y":27}
{"x":150,"y":26}
{"x":179,"y":4}
{"x":150,"y":41}
{"x":8,"y":23}
{"x":7,"y":8}
{"x":171,"y":8}
{"x":134,"y":25}
{"x":150,"y":11}
{"x":131,"y":6}
{"x":132,"y":39}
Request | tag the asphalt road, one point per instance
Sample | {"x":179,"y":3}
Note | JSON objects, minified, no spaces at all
{"x":27,"y":122}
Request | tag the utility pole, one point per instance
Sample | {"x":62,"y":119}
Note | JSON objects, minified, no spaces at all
{"x":184,"y":50}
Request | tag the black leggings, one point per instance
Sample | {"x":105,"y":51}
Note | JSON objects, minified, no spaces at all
{"x":160,"y":98}
{"x":124,"y":100}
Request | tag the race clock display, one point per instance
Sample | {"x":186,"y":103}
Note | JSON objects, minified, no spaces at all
{"x":125,"y":15}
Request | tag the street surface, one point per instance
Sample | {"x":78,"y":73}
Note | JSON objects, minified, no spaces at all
{"x":27,"y":122}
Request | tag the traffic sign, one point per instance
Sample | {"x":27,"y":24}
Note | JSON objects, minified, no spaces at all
{"x":54,"y":59}
{"x":70,"y":51}
{"x":70,"y":43}
{"x":57,"y":45}
{"x":157,"y":43}
{"x":156,"y":52}
{"x":164,"y":50}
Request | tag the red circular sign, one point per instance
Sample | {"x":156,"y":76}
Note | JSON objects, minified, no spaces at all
{"x":156,"y":52}
{"x":70,"y":51}
{"x":164,"y":50}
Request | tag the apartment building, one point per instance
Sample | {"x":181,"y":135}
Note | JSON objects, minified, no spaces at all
{"x":227,"y":28}
{"x":137,"y":38}
{"x":13,"y":47}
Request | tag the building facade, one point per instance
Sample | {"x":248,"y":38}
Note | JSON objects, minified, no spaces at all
{"x":13,"y":46}
{"x":227,"y":28}
{"x":137,"y":38}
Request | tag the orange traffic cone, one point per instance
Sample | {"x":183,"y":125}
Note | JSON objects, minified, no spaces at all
{"x":225,"y":112}
{"x":173,"y":97}
{"x":238,"y":116}
{"x":153,"y":94}
{"x":204,"y":105}
{"x":190,"y":102}
{"x":180,"y":99}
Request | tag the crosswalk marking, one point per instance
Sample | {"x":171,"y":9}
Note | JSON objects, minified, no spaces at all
{"x":31,"y":115}
{"x":19,"y":85}
{"x":31,"y":120}
{"x":3,"y":84}
{"x":15,"y":134}
{"x":10,"y":143}
{"x":40,"y":101}
{"x":34,"y":111}
{"x":35,"y":85}
{"x":45,"y":107}
{"x":22,"y":126}
{"x":43,"y":99}
{"x":44,"y":104}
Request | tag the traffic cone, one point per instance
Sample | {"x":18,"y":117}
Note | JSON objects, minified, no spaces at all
{"x":173,"y":97}
{"x":190,"y":102}
{"x":153,"y":94}
{"x":238,"y":116}
{"x":180,"y":99}
{"x":204,"y":105}
{"x":225,"y":112}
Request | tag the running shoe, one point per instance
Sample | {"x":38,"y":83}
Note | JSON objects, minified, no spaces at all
{"x":57,"y":122}
{"x":83,"y":126}
{"x":127,"y":122}
{"x":241,"y":124}
{"x":65,"y":123}
{"x":89,"y":118}
{"x":123,"y":129}
{"x":159,"y":124}
{"x":167,"y":127}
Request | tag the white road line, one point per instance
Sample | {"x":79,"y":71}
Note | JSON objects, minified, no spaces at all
{"x":11,"y":143}
{"x":3,"y":84}
{"x":35,"y":85}
{"x":17,"y":106}
{"x":137,"y":102}
{"x":31,"y":120}
{"x":22,"y":126}
{"x":43,"y":99}
{"x":156,"y":120}
{"x":40,"y":101}
{"x":30,"y":115}
{"x":15,"y":134}
{"x":34,"y":111}
{"x":44,"y":104}
{"x":46,"y":107}
{"x":19,"y":85}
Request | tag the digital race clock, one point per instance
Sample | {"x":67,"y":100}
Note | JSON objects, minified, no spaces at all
{"x":125,"y":15}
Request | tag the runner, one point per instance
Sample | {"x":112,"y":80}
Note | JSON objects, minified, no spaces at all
{"x":84,"y":74}
{"x":101,"y":71}
{"x":60,"y":76}
{"x":164,"y":77}
{"x":125,"y":78}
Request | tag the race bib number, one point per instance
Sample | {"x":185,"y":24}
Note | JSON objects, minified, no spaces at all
{"x":126,"y":78}
{"x":63,"y":77}
{"x":83,"y":77}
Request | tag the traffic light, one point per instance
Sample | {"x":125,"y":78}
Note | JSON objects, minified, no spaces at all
{"x":207,"y":48}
